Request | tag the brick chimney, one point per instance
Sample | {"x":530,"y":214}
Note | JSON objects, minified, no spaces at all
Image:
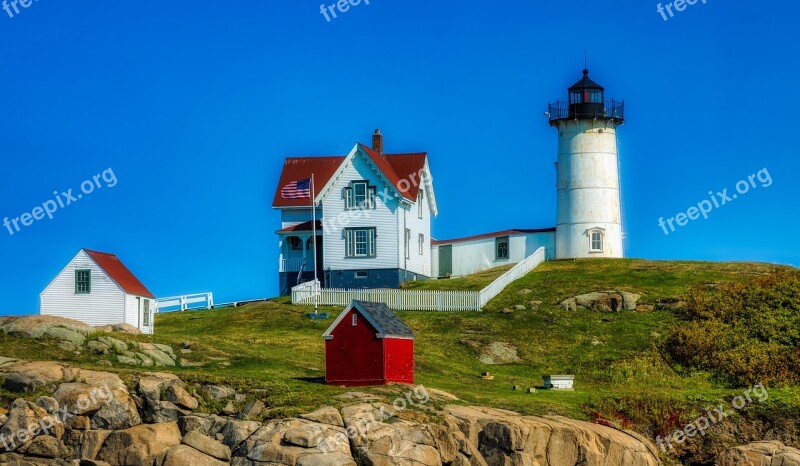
{"x":377,"y":141}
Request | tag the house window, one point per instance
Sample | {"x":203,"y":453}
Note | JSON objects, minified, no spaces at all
{"x":360,"y":195}
{"x":355,"y":319}
{"x":501,"y":248}
{"x":83,"y":281}
{"x":421,"y":240}
{"x":360,"y":242}
{"x":419,"y":203}
{"x":362,"y":274}
{"x":295,"y":243}
{"x":146,"y":318}
{"x":408,"y":243}
{"x":596,"y":241}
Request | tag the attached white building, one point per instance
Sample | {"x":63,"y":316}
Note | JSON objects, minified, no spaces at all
{"x":373,"y":218}
{"x":465,"y":256}
{"x":96,"y":288}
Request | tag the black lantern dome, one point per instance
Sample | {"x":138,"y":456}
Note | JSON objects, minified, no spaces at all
{"x":586,"y":100}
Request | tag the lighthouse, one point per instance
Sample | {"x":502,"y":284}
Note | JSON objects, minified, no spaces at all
{"x":588,"y":214}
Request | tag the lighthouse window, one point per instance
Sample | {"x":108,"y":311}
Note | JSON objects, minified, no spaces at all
{"x":501,"y":247}
{"x":597,"y":241}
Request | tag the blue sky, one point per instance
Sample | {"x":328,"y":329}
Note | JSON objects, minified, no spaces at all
{"x":194,"y":106}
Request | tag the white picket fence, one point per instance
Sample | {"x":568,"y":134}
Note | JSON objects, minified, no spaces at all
{"x":185,"y":303}
{"x":417,"y":300}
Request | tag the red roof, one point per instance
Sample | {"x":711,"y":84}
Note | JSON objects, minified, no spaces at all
{"x":497,"y":234}
{"x":396,"y":167}
{"x":300,"y":168}
{"x":119,"y":273}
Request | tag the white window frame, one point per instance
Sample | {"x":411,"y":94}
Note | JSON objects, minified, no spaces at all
{"x":353,"y":241}
{"x":421,"y":240}
{"x":355,"y":319}
{"x":354,"y":201}
{"x":420,"y":200}
{"x":146,"y":312}
{"x":497,"y":241}
{"x":602,"y":240}
{"x":408,"y":243}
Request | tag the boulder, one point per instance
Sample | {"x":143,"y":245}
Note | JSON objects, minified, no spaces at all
{"x":46,"y":446}
{"x":499,"y":352}
{"x":207,"y":446}
{"x":35,"y":326}
{"x":327,"y":415}
{"x":402,"y":441}
{"x":31,"y":376}
{"x":47,"y":403}
{"x":183,"y":455}
{"x":505,"y":437}
{"x":118,"y":346}
{"x":65,"y":334}
{"x":236,"y":432}
{"x":90,"y":442}
{"x":604,"y":301}
{"x":297,"y":442}
{"x":25,"y":422}
{"x":128,"y":360}
{"x":98,"y":347}
{"x":140,"y":444}
{"x":770,"y":453}
{"x":99,"y":395}
{"x":218,"y":392}
{"x":206,"y":424}
{"x":159,"y":357}
{"x":253,"y":409}
{"x":178,"y":395}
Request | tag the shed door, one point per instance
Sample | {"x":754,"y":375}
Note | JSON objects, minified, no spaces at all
{"x":445,"y":260}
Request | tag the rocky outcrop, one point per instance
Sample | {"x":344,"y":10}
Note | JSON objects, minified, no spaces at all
{"x":603,"y":301}
{"x":93,"y":417}
{"x":760,"y":454}
{"x":504,"y":437}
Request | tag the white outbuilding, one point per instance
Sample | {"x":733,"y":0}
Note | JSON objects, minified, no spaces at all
{"x":96,"y":288}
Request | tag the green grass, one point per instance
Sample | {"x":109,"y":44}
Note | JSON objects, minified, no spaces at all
{"x":475,"y":282}
{"x":274,"y":346}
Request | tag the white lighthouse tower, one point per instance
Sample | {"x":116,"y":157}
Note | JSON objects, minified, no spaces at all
{"x":589,"y":218}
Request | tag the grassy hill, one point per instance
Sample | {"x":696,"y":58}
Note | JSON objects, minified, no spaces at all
{"x":614,"y":356}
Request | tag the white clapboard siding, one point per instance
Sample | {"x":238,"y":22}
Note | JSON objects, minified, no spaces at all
{"x":417,"y":300}
{"x":416,"y":262}
{"x":104,"y":305}
{"x":383,"y":218}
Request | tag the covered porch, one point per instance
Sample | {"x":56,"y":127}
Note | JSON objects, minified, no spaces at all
{"x":296,"y":255}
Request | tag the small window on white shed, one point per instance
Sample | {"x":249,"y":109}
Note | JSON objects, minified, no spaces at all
{"x":83,"y":281}
{"x":355,"y":319}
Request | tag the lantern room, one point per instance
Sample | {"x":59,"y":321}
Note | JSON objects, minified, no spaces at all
{"x":586,"y":100}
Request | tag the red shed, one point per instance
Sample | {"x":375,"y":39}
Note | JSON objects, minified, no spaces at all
{"x":368,"y":345}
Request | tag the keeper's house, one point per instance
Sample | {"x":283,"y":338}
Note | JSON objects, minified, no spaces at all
{"x":96,"y":288}
{"x":368,"y":345}
{"x":373,"y":218}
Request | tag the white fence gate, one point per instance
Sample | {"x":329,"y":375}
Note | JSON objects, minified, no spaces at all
{"x":417,"y":300}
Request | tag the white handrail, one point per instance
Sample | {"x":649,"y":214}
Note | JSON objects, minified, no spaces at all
{"x":186,"y":302}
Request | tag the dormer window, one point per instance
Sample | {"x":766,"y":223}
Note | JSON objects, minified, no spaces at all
{"x":360,"y":195}
{"x":596,"y":241}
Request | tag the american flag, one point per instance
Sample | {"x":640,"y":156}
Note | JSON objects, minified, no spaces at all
{"x":300,"y":189}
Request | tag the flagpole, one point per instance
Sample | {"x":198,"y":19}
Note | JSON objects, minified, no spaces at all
{"x":314,"y":239}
